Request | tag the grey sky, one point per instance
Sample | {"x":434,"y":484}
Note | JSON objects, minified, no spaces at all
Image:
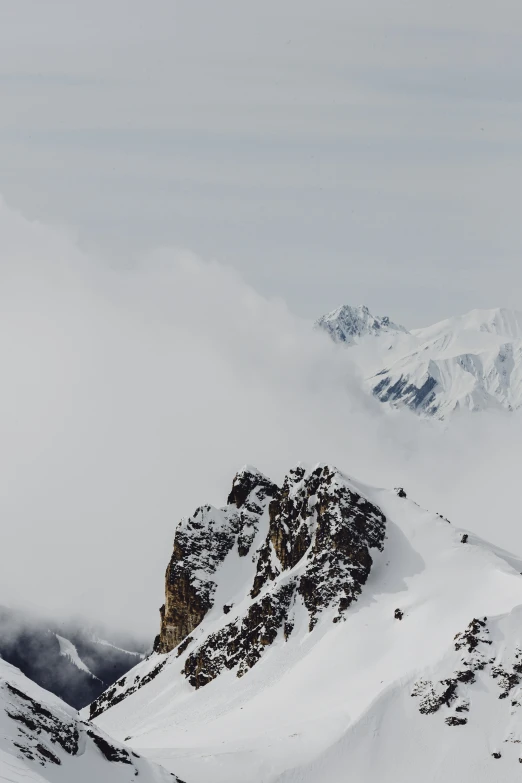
{"x":332,"y":151}
{"x":329,"y":152}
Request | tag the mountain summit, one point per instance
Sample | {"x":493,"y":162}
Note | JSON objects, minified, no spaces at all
{"x":237,"y":574}
{"x":320,"y":625}
{"x":348,"y":324}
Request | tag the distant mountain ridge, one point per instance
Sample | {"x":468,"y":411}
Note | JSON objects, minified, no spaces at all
{"x":68,"y":659}
{"x":470,"y":362}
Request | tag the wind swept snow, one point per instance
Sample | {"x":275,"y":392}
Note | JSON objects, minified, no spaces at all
{"x":68,"y":650}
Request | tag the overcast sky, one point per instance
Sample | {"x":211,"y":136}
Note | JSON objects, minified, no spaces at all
{"x":332,"y":151}
{"x":287,"y":157}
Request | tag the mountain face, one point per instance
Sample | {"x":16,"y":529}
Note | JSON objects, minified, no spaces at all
{"x":322,"y":626}
{"x":43,"y":739}
{"x":470,"y":362}
{"x":70,"y":661}
{"x":307,"y":542}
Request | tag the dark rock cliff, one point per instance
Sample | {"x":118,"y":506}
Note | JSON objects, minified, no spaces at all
{"x":201,"y":544}
{"x":304,"y":545}
{"x":316,"y":525}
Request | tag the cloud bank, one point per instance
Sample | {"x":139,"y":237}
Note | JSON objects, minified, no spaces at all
{"x":131,"y":395}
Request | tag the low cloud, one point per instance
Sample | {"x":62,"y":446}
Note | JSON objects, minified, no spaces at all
{"x":130,"y":396}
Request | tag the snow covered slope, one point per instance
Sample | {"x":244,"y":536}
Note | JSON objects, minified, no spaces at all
{"x":43,"y":739}
{"x":332,"y":632}
{"x":470,"y":362}
{"x":471,"y":703}
{"x":68,"y":650}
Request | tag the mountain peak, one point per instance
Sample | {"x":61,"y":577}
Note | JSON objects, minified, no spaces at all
{"x":347,"y":324}
{"x":246,"y":481}
{"x":303,"y":548}
{"x":353,"y":620}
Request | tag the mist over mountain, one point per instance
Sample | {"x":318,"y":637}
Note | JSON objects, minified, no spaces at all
{"x":223,"y":376}
{"x":280,"y":585}
{"x":72,"y":660}
{"x":261,"y":392}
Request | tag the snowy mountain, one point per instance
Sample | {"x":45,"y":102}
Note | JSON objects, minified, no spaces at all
{"x":469,"y":362}
{"x":67,"y":658}
{"x":324,"y":630}
{"x":43,"y":739}
{"x":348,"y":324}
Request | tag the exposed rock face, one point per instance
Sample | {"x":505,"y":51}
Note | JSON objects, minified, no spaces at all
{"x":38,"y":726}
{"x":317,"y":527}
{"x":434,"y":695}
{"x":242,"y":642}
{"x":417,"y":398}
{"x":335,"y":528}
{"x":201,"y":544}
{"x":239,"y":574}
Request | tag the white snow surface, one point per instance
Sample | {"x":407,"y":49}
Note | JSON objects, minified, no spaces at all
{"x":335,"y":704}
{"x":89,"y":765}
{"x":105,"y":643}
{"x":68,"y":650}
{"x":470,"y":362}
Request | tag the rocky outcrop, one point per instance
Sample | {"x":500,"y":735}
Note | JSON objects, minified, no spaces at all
{"x":434,"y":695}
{"x":478,"y":655}
{"x":39,"y":727}
{"x":242,"y":642}
{"x":239,"y":574}
{"x":418,"y":398}
{"x":121,"y":689}
{"x":319,"y":521}
{"x":201,"y":544}
{"x":315,"y":536}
